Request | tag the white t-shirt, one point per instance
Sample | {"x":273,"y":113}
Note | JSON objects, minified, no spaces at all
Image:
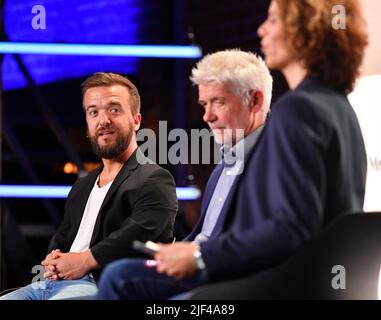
{"x":86,"y":228}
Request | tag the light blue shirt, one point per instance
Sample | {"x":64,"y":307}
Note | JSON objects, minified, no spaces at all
{"x":234,"y":159}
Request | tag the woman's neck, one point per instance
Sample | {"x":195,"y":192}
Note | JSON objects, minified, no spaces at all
{"x":294,"y":73}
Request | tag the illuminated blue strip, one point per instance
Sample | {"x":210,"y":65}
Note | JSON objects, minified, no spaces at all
{"x":188,"y":193}
{"x":144,"y":51}
{"x":24,"y":191}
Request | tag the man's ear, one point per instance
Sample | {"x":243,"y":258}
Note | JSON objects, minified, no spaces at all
{"x":137,"y":120}
{"x":256,"y":100}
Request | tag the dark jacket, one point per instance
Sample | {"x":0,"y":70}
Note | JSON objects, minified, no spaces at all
{"x":141,"y":204}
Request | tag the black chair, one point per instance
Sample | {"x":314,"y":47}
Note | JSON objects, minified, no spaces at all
{"x":352,"y":244}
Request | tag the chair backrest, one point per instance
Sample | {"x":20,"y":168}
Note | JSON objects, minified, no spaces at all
{"x":342,"y":263}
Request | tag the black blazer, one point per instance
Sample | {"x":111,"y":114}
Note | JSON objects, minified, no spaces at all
{"x":141,"y":204}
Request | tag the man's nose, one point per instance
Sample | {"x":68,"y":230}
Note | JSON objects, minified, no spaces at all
{"x":104,"y":120}
{"x":209,"y":114}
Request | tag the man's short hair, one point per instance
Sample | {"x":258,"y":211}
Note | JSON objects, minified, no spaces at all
{"x":242,"y":71}
{"x":108,"y":79}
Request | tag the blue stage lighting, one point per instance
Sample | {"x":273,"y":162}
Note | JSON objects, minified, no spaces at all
{"x":39,"y":191}
{"x":137,"y":51}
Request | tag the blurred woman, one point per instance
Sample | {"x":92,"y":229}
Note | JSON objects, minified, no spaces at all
{"x":316,"y":127}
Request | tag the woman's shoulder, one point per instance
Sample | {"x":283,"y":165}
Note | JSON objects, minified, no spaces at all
{"x":293,"y":102}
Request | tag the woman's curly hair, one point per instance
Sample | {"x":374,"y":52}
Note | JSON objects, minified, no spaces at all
{"x":333,"y":55}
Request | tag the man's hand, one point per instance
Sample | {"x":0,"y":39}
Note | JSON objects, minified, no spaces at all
{"x":72,"y":265}
{"x":176,"y":260}
{"x":50,"y":270}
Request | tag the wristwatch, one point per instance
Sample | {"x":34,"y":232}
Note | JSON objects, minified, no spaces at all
{"x":199,"y":261}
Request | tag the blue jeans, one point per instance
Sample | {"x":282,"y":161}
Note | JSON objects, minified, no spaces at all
{"x":132,"y":279}
{"x":54,"y":290}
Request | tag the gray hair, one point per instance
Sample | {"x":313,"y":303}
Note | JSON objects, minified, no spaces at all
{"x":242,"y":71}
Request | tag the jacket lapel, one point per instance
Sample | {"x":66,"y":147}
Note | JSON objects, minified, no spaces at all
{"x":209,"y":190}
{"x":123,"y":174}
{"x":228,"y":208}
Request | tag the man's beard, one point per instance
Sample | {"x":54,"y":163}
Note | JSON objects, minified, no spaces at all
{"x":114,"y":150}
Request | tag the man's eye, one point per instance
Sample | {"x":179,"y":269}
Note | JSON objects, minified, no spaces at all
{"x":114,"y":110}
{"x":92,"y":113}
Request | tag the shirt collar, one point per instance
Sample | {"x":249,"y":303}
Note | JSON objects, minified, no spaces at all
{"x":241,"y":149}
